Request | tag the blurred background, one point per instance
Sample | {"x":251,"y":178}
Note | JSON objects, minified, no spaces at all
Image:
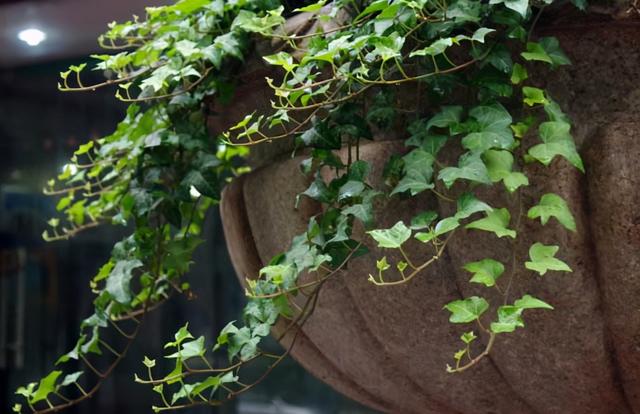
{"x":44,"y":291}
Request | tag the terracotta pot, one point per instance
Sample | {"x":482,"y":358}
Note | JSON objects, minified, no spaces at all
{"x":388,"y":347}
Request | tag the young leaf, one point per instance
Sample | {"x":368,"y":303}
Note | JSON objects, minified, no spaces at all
{"x":542,"y":259}
{"x":466,"y":310}
{"x":557,"y":140}
{"x":552,"y":205}
{"x":391,"y":238}
{"x":533,"y":96}
{"x":496,"y":222}
{"x":485,"y":272}
{"x":468,"y":337}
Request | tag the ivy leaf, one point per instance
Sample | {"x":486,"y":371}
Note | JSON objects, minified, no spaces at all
{"x":418,"y":172}
{"x":468,"y":337}
{"x":47,"y":386}
{"x":519,"y":6}
{"x":509,"y":318}
{"x":470,"y":167}
{"x":529,"y":302}
{"x":448,"y":116}
{"x":190,"y":349}
{"x":496,"y":222}
{"x":499,"y":165}
{"x":71,"y":378}
{"x":581,"y":4}
{"x":542,"y":259}
{"x":533,"y":96}
{"x":552,"y":46}
{"x":493,"y":129}
{"x":350,"y":189}
{"x":423,"y":220}
{"x":468,"y":204}
{"x":546,"y":50}
{"x":436,"y":48}
{"x":117,"y":285}
{"x":485,"y":272}
{"x":479,"y":34}
{"x":518,"y":74}
{"x":552,"y":205}
{"x":466,"y":310}
{"x":391,"y":238}
{"x":557,"y":140}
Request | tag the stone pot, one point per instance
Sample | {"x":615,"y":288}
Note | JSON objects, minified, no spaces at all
{"x":387,"y":347}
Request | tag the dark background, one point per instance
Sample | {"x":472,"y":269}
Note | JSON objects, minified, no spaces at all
{"x":44,"y":292}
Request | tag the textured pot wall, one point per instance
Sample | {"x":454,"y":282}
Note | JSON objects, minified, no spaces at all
{"x":387,"y":347}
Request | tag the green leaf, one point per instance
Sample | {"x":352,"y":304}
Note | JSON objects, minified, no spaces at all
{"x":536,"y":52}
{"x":493,"y":129}
{"x":557,"y":140}
{"x":47,"y":386}
{"x":382,"y":264}
{"x":71,"y":378}
{"x":119,"y":279}
{"x":190,"y":349}
{"x":468,"y":337}
{"x":546,"y":50}
{"x":468,"y":204}
{"x":496,"y":222}
{"x":423,"y":220}
{"x":470,"y":167}
{"x":436,"y":48}
{"x":519,"y":6}
{"x":529,"y":302}
{"x":391,"y":238}
{"x":149,"y":363}
{"x":533,"y":96}
{"x":448,"y":116}
{"x":312,"y":7}
{"x":552,"y":46}
{"x":509,"y":318}
{"x":479,"y":34}
{"x":499,"y":165}
{"x":518,"y":74}
{"x":418,"y":172}
{"x":466,"y":310}
{"x":552,"y":205}
{"x":350,"y":189}
{"x":485,"y":272}
{"x":542,"y":259}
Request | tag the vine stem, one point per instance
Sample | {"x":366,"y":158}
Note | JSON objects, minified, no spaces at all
{"x":479,"y":357}
{"x":417,"y":269}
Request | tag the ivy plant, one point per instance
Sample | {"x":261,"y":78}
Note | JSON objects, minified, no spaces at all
{"x":471,"y":69}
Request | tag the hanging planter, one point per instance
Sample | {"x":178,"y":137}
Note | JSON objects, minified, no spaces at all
{"x":416,"y":190}
{"x":385,"y":347}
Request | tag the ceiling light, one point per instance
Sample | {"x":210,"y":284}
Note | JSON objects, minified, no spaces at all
{"x":32,"y":37}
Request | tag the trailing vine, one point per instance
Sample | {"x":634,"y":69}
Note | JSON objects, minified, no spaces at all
{"x":342,"y":82}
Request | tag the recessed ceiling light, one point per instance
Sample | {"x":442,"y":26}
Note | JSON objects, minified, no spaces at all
{"x":32,"y":37}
